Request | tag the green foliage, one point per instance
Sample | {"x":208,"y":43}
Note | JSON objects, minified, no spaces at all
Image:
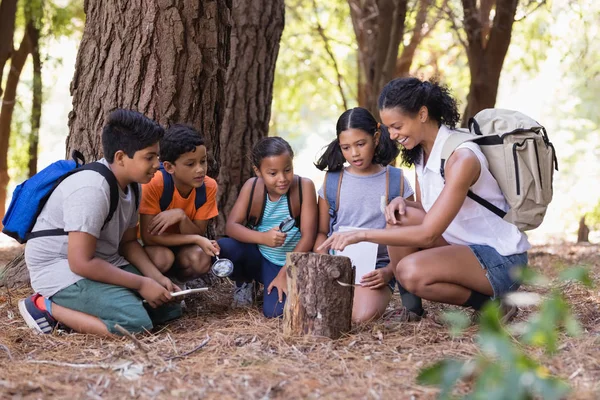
{"x":503,"y":370}
{"x":306,"y":87}
{"x":54,"y":19}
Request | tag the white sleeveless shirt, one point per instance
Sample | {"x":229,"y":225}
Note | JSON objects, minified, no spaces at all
{"x":474,"y":224}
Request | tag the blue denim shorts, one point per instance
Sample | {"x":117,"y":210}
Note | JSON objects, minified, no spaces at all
{"x":500,"y":270}
{"x":382,"y":263}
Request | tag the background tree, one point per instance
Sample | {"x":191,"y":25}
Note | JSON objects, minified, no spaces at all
{"x":17,"y":62}
{"x":8,"y":13}
{"x":255,"y":34}
{"x":485,"y":31}
{"x":379,"y":29}
{"x":168,"y":61}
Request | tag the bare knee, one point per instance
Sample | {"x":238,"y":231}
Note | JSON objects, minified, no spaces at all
{"x":409,"y":275}
{"x":162,"y":257}
{"x":194,"y":262}
{"x":369,"y":304}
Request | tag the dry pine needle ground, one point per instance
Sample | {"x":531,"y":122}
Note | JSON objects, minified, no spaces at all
{"x":217,"y":352}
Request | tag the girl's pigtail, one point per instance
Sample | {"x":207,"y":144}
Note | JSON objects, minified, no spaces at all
{"x":332,"y":158}
{"x":386,"y":150}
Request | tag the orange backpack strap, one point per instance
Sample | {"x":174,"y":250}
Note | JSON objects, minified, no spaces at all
{"x":294,"y":199}
{"x":256,"y":203}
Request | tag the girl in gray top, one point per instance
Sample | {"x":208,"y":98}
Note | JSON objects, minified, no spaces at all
{"x":367,"y":148}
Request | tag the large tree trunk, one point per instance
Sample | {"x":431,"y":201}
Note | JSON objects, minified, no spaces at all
{"x":316,"y":303}
{"x":379,"y":28}
{"x":165,"y":59}
{"x":255,"y":35}
{"x":487,"y":45}
{"x":17,"y":62}
{"x":8,"y":12}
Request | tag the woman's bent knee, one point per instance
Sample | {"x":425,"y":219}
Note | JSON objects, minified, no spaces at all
{"x":409,"y":275}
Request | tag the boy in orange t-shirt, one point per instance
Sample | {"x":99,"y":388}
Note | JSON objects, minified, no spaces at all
{"x":174,"y":236}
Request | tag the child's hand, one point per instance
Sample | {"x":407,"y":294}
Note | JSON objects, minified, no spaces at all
{"x":209,"y":247}
{"x":155,"y":294}
{"x":378,"y":278}
{"x":274,"y":238}
{"x":159,"y":224}
{"x":280,"y":282}
{"x":397,"y":205}
{"x":168,"y":284}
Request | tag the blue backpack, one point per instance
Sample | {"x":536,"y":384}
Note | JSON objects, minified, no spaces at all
{"x":333,"y":182}
{"x":169,"y":187}
{"x":30,"y":197}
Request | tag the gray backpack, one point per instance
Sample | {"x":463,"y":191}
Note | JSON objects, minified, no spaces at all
{"x":521,"y":159}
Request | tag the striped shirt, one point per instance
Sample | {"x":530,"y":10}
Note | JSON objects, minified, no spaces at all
{"x":275,"y":212}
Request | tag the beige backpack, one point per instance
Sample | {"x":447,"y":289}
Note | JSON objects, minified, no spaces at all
{"x":521,"y":158}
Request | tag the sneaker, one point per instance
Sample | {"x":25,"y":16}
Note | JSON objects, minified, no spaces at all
{"x":39,"y":320}
{"x":403,"y":314}
{"x":243,"y":296}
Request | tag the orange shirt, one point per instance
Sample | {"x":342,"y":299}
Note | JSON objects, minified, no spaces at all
{"x":152,"y":191}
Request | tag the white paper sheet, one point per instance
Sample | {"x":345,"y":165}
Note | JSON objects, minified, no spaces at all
{"x":363,"y":255}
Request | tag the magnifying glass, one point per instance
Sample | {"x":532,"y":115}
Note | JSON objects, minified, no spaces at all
{"x":287,"y":224}
{"x":222,"y":268}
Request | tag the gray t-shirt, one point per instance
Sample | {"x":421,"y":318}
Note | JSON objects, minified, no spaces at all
{"x":360,"y":203}
{"x":79,"y":204}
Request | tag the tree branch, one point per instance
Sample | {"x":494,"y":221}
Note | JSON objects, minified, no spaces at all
{"x":452,"y":19}
{"x":321,"y":32}
{"x":538,"y":5}
{"x":408,"y":52}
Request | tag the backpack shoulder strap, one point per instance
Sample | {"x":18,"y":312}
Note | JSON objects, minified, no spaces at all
{"x":394,"y":183}
{"x":112,"y":183}
{"x":454,"y":140}
{"x":200,"y":196}
{"x":294,"y":199}
{"x":168,"y":189}
{"x":331,"y":190}
{"x":256,"y":203}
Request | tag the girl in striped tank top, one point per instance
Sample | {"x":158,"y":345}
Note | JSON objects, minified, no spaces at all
{"x":259,"y":251}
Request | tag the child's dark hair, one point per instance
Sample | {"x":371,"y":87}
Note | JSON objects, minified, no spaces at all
{"x":129,"y":131}
{"x":179,"y":139}
{"x":269,"y":147}
{"x":409,"y":95}
{"x":386,"y":151}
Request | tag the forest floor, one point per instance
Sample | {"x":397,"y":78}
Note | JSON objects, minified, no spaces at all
{"x":218,"y":352}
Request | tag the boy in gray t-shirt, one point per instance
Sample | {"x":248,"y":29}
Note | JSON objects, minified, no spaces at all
{"x":84,"y":279}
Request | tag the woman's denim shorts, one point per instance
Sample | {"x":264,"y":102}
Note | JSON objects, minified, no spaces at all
{"x":500,"y":270}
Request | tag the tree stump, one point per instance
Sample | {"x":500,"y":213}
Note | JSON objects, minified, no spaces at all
{"x":316,"y":303}
{"x":583,"y":233}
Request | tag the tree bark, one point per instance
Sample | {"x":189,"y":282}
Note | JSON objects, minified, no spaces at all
{"x":17,"y":62}
{"x":165,"y":59}
{"x":255,"y":35}
{"x":486,"y":51}
{"x":379,"y":28}
{"x":8,"y":13}
{"x":316,"y":303}
{"x":15,"y":273}
{"x":36,"y":104}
